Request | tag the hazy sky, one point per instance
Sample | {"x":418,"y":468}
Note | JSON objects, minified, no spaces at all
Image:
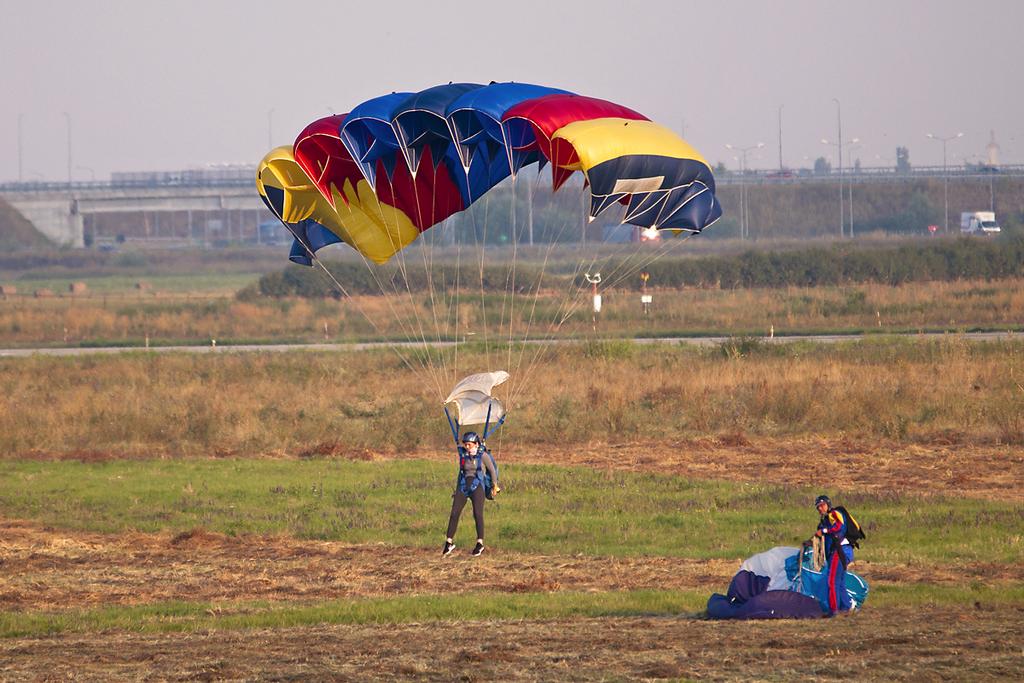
{"x":162,"y":85}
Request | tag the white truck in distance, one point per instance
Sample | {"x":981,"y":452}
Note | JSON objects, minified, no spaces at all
{"x":978,"y":223}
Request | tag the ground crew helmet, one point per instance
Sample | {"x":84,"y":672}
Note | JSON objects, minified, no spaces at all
{"x":470,"y":437}
{"x":822,"y":499}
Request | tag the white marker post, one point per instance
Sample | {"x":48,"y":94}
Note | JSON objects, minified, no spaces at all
{"x":645,"y":298}
{"x":594,"y":281}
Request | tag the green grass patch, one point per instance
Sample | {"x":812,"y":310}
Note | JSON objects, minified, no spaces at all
{"x":546,"y":509}
{"x":188,"y":616}
{"x":203,"y":616}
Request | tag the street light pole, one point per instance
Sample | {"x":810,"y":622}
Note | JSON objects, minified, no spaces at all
{"x":839,"y":130}
{"x":67,"y":117}
{"x":839,"y":147}
{"x":744,"y":217}
{"x":780,"y":138}
{"x":21,"y":177}
{"x":945,"y":174}
{"x":853,"y":145}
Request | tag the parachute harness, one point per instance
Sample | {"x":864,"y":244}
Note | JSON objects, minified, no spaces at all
{"x":818,"y":558}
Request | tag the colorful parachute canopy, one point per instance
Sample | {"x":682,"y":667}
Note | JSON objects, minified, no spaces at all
{"x":780,"y":583}
{"x":398,"y":164}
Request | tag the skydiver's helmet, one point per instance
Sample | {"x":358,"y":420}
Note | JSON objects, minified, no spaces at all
{"x":823,"y":499}
{"x":471,"y":437}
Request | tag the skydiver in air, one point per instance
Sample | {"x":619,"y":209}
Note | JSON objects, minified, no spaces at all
{"x":474,"y":462}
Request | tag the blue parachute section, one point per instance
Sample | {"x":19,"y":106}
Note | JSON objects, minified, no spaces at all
{"x":421,"y":127}
{"x":815,"y":583}
{"x":780,"y":584}
{"x":369,"y":137}
{"x":481,"y":141}
{"x":458,"y":124}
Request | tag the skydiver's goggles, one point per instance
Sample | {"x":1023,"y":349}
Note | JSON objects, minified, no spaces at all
{"x":470,"y":443}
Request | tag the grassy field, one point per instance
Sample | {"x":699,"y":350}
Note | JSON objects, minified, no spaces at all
{"x":548,"y":509}
{"x":279,"y":515}
{"x":220,"y":554}
{"x":145,"y":404}
{"x":179,"y":309}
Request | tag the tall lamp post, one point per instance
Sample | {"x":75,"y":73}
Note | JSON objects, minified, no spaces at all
{"x":67,"y":117}
{"x":21,"y":177}
{"x":780,"y":139}
{"x":839,"y":144}
{"x":744,"y":216}
{"x":850,"y":145}
{"x":945,"y":175}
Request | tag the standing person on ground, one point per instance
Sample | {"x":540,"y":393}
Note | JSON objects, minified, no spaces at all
{"x":474,"y":460}
{"x":832,"y":528}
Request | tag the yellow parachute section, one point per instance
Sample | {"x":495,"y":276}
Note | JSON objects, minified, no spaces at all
{"x":373,"y":228}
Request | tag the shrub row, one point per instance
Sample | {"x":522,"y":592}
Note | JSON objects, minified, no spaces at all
{"x":358,"y":278}
{"x":945,"y":260}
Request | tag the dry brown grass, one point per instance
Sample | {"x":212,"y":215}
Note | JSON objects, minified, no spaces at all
{"x":918,"y":643}
{"x":947,"y":305}
{"x":46,"y":569}
{"x":931,"y":394}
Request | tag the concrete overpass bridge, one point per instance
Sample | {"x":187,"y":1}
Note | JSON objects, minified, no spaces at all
{"x":81,"y":213}
{"x":211,"y":206}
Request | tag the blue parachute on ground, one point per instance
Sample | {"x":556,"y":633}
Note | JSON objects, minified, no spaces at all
{"x":781,"y":583}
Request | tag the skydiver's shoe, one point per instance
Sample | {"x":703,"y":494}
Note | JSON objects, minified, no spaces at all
{"x":478,"y":549}
{"x":447,"y":549}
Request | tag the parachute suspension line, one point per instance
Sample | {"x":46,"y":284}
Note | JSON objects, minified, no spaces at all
{"x":403,"y":267}
{"x":480,"y":241}
{"x":427,"y":245}
{"x":538,"y":355}
{"x":670,"y":245}
{"x":345,"y":293}
{"x":573,"y":301}
{"x":559,"y":318}
{"x":512,"y":270}
{"x":554,"y":325}
{"x":570,"y":303}
{"x":455,"y":299}
{"x":483,"y":279}
{"x":535,"y":290}
{"x":406,"y":324}
{"x":418,"y":354}
{"x":428,"y":277}
{"x":625,"y":269}
{"x":566,"y":307}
